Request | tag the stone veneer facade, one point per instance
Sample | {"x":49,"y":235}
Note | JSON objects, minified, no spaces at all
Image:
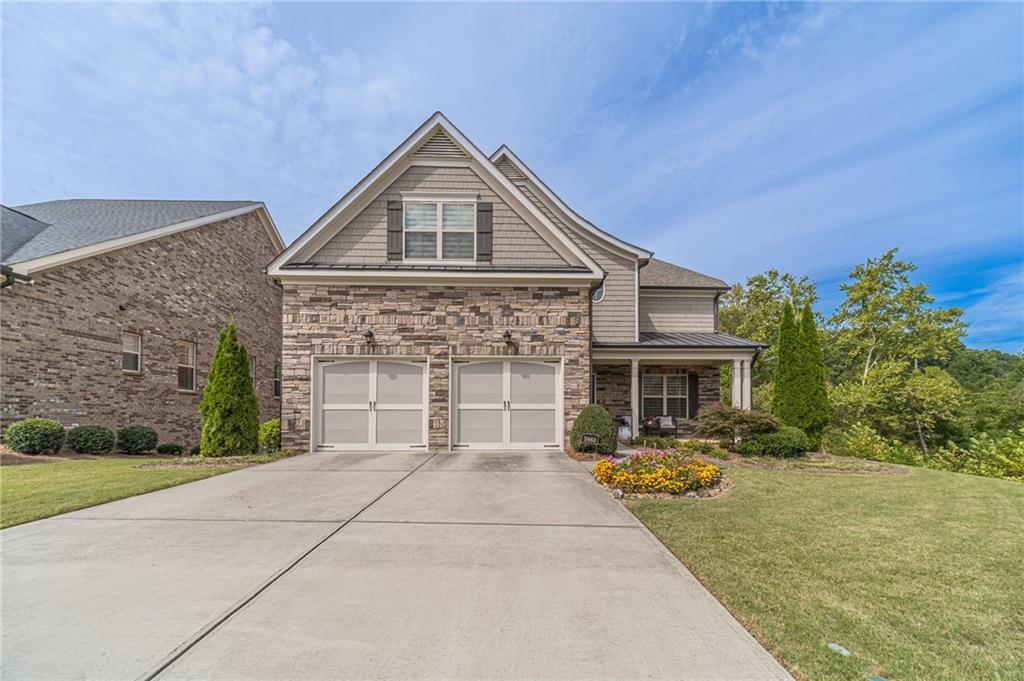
{"x":60,"y":338}
{"x":612,"y":388}
{"x":439,"y":323}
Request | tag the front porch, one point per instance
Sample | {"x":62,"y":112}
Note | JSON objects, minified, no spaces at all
{"x":671,"y":375}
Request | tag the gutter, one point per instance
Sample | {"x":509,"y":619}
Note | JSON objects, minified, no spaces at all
{"x":10,"y":277}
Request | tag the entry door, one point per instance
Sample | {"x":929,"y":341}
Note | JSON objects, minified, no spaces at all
{"x":507,"y":404}
{"x":372,"y":404}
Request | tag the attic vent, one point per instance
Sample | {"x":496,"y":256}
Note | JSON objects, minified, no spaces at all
{"x":440,"y":145}
{"x":510,"y":171}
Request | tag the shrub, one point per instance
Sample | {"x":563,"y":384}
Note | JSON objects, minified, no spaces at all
{"x":657,"y":471}
{"x":729,"y":425}
{"x":270,"y":435}
{"x":784,"y":443}
{"x":990,"y":455}
{"x":230,"y":414}
{"x":136,"y":439}
{"x":90,"y":439}
{"x":860,"y":440}
{"x":169,"y":449}
{"x":594,"y":420}
{"x":194,"y":451}
{"x":34,"y":436}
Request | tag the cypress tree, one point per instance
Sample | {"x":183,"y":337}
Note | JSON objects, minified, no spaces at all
{"x":230,"y":413}
{"x":813,"y":414}
{"x":785,"y":401}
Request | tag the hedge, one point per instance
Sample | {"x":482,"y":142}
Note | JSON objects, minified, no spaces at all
{"x":786,"y":442}
{"x":35,"y":436}
{"x":90,"y":439}
{"x":136,"y":439}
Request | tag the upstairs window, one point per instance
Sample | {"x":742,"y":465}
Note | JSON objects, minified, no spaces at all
{"x":186,"y":365}
{"x":439,"y":230}
{"x":131,"y":351}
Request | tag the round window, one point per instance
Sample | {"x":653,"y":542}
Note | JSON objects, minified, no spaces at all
{"x":598,"y":295}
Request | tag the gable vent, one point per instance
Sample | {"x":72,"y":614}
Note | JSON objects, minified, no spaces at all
{"x":440,"y":145}
{"x":510,"y":171}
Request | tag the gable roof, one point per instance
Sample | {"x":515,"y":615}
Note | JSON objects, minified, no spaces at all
{"x":517,"y":171}
{"x":661,"y":274}
{"x":54,"y":232}
{"x":436,"y":142}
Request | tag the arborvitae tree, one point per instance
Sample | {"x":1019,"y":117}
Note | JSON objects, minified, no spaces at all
{"x":230,"y":413}
{"x":811,"y":395}
{"x":785,"y":397}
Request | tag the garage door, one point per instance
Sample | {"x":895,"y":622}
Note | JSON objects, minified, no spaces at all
{"x":372,"y":404}
{"x":507,"y":404}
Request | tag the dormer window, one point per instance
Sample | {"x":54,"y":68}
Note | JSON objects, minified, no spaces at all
{"x":439,"y":230}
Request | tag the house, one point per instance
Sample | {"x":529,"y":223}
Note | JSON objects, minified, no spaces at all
{"x":111,"y":309}
{"x":452,"y":300}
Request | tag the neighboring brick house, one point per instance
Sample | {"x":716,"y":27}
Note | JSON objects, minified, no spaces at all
{"x":111,"y":309}
{"x":451,"y":300}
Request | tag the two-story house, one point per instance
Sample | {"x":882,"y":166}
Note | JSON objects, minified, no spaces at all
{"x":452,"y":300}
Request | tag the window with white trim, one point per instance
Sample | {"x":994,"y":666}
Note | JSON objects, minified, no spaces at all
{"x":131,"y":351}
{"x":186,"y":365}
{"x":663,"y":395}
{"x":277,"y":379}
{"x":439,"y":230}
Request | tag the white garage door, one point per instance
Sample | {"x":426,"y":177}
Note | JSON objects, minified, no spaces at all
{"x":507,"y":404}
{"x":372,"y":404}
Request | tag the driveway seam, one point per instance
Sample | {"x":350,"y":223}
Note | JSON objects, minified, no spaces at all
{"x":209,"y":520}
{"x":211,"y":626}
{"x":635,"y":526}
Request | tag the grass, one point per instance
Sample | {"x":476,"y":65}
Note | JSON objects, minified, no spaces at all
{"x":919,"y":575}
{"x":40,"y":490}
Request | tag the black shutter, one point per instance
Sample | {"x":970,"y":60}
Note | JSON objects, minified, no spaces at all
{"x":484,"y":231}
{"x":394,"y":230}
{"x":693,"y":395}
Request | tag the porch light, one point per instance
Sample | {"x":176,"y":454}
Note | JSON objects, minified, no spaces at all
{"x":368,"y":335}
{"x":507,"y":336}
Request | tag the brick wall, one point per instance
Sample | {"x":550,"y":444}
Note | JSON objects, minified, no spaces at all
{"x":439,"y":323}
{"x":612,"y":388}
{"x":60,"y":339}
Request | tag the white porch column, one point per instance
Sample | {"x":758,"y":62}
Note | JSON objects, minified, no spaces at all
{"x":737,"y":383}
{"x":634,"y":396}
{"x":747,"y":397}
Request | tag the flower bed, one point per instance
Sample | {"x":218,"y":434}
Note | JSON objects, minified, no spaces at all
{"x":656,"y":471}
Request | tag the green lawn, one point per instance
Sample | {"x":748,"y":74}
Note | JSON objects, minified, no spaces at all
{"x":920,"y":576}
{"x":39,"y":490}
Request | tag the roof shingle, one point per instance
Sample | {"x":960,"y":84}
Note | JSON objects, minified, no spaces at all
{"x":661,"y":274}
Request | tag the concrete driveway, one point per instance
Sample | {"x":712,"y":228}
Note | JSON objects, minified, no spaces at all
{"x":364,"y":566}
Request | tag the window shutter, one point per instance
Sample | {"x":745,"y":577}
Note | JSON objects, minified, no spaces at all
{"x":394,"y":230}
{"x":693,"y":395}
{"x":484,"y":231}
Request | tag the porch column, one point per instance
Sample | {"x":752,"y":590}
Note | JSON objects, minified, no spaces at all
{"x":747,"y":400}
{"x":737,"y":383}
{"x":634,"y":396}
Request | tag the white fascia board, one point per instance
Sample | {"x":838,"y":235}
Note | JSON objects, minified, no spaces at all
{"x":75,"y":254}
{"x":387,"y":170}
{"x":392,"y":278}
{"x":587,"y":226}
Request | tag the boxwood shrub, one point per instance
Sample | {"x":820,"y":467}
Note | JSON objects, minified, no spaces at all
{"x":784,"y":443}
{"x":270,"y":435}
{"x":169,"y":449}
{"x":34,"y":436}
{"x":594,"y":420}
{"x":136,"y":439}
{"x":90,"y":439}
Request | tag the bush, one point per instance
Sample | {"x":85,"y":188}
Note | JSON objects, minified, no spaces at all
{"x":34,"y":436}
{"x":194,"y":451}
{"x":990,"y":455}
{"x":784,"y":443}
{"x":656,"y":471}
{"x":169,"y":449}
{"x":861,"y":441}
{"x":136,"y":439}
{"x":729,"y":425}
{"x":594,"y":420}
{"x":270,"y":435}
{"x":90,"y":439}
{"x":230,"y":414}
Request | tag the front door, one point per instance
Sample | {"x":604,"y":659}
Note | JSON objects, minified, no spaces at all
{"x":506,"y":404}
{"x":372,"y":404}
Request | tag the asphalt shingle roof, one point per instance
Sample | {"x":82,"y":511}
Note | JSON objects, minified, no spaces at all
{"x":688,"y":340}
{"x":74,"y":223}
{"x":661,"y":274}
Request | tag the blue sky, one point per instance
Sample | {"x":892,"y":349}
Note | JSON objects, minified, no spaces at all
{"x":729,"y":138}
